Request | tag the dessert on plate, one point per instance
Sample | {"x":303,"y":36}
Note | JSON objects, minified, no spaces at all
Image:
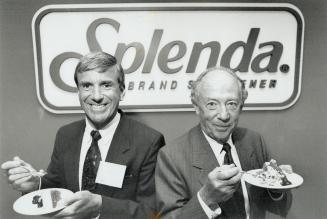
{"x":55,"y":198}
{"x":271,"y":174}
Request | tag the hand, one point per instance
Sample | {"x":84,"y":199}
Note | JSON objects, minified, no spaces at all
{"x":83,"y":204}
{"x":20,"y":175}
{"x":221,"y":184}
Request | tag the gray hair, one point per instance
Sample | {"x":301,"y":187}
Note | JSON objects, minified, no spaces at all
{"x":196,"y":83}
{"x":100,"y":62}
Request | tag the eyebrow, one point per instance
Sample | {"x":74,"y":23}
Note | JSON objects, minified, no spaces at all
{"x":107,"y":82}
{"x":229,"y":99}
{"x":84,"y":82}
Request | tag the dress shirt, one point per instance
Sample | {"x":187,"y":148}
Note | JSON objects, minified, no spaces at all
{"x":106,"y":133}
{"x":220,"y":154}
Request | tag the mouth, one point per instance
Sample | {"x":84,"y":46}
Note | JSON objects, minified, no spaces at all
{"x":97,"y":107}
{"x":222,"y":128}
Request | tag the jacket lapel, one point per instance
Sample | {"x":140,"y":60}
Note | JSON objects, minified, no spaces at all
{"x":244,"y":150}
{"x":203,"y":157}
{"x":120,"y":143}
{"x":72,"y":157}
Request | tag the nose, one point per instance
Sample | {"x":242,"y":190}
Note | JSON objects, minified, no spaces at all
{"x":223,"y":114}
{"x":97,"y":94}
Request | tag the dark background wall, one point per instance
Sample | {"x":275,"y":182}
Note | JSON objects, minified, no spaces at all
{"x":295,"y":135}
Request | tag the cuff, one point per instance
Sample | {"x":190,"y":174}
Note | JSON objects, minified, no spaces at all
{"x":211,"y":214}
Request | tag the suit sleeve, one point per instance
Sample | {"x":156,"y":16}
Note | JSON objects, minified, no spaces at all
{"x":143,"y":206}
{"x":53,"y":178}
{"x":173,"y":199}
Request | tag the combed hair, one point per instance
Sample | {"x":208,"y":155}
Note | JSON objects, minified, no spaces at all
{"x":100,"y":62}
{"x":195,"y":84}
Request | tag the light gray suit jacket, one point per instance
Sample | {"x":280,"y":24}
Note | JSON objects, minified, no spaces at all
{"x":183,"y":167}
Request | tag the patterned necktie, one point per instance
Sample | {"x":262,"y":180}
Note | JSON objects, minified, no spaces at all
{"x":236,"y":203}
{"x":91,"y":163}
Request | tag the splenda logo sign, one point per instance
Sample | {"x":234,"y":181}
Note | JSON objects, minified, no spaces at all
{"x":164,"y":47}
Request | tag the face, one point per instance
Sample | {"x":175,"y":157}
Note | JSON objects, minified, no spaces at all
{"x":99,"y":95}
{"x":218,"y":105}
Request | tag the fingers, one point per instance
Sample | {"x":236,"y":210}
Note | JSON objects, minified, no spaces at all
{"x":226,"y":175}
{"x":17,"y":184}
{"x":16,"y":162}
{"x":225,"y":172}
{"x":11,"y":164}
{"x":71,"y":210}
{"x":17,"y":170}
{"x":74,"y":198}
{"x":81,"y":203}
{"x":14,"y":177}
{"x":235,"y":179}
{"x":74,"y":206}
{"x":66,"y":212}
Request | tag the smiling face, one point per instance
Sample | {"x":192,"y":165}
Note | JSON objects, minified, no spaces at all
{"x":218,"y":104}
{"x":99,"y":95}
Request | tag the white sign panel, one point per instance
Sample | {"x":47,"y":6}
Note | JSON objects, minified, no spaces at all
{"x":164,"y":47}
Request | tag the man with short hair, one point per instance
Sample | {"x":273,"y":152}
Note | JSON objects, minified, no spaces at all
{"x":199,"y":174}
{"x":106,"y":137}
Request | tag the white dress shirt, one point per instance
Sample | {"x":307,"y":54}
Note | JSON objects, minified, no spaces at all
{"x":220,"y":154}
{"x":106,"y":133}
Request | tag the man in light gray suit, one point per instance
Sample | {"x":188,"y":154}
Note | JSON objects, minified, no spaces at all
{"x":199,"y":174}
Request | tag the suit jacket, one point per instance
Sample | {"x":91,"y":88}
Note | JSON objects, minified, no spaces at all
{"x":134,"y":145}
{"x":183,"y":167}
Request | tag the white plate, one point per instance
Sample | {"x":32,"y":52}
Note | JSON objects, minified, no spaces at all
{"x":294,"y":178}
{"x":24,"y":205}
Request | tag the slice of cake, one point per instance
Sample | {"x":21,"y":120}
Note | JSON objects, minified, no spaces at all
{"x":55,"y":197}
{"x":271,"y":174}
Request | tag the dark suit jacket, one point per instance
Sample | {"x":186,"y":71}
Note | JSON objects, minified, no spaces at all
{"x":134,"y":145}
{"x":183,"y":167}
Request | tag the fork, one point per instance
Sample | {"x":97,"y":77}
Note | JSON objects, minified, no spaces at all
{"x":285,"y":181}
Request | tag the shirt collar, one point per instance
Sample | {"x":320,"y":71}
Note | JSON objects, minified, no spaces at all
{"x":214,"y":143}
{"x":107,"y":129}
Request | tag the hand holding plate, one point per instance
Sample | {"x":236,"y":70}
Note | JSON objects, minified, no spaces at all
{"x":83,"y":204}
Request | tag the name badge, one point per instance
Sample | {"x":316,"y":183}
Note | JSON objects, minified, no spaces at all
{"x":111,"y":174}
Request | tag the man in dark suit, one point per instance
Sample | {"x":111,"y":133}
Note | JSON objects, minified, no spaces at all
{"x":88,"y":153}
{"x":199,"y":174}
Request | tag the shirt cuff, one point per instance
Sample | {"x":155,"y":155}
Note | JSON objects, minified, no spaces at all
{"x":210,"y":213}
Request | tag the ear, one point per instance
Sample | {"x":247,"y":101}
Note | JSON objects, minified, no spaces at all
{"x":197,"y":109}
{"x":122,"y":95}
